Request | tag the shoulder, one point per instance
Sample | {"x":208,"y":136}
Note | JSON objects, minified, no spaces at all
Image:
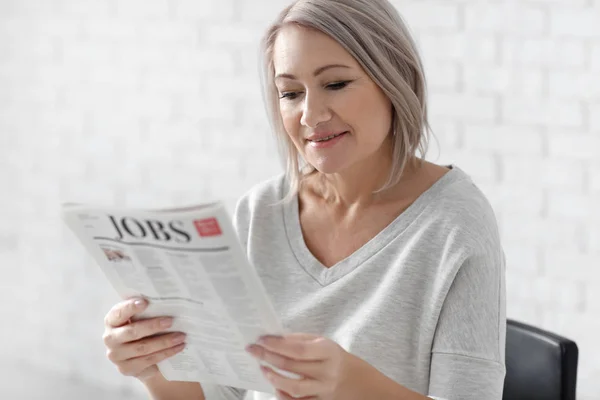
{"x":267,"y":192}
{"x":466,"y":212}
{"x":263,"y":198}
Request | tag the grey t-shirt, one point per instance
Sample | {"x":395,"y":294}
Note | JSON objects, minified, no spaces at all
{"x":423,"y":301}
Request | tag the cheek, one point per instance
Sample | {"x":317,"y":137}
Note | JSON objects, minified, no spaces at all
{"x":354,"y":103}
{"x":291,"y":123}
{"x":370,"y":115}
{"x":373,"y":112}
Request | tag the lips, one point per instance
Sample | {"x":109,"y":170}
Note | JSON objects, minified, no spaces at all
{"x":323,"y":135}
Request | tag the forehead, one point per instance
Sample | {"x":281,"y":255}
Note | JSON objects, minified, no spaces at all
{"x":299,"y":50}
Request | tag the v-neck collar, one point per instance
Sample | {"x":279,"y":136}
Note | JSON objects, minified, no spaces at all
{"x":325,"y":275}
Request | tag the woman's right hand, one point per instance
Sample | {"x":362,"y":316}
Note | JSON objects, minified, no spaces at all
{"x":129,"y":345}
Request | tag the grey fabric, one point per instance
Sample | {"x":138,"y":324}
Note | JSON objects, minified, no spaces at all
{"x":423,"y":301}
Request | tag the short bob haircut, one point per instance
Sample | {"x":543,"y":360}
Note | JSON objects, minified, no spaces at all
{"x":373,"y":32}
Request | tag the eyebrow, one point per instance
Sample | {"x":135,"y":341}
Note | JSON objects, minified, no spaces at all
{"x":316,"y":72}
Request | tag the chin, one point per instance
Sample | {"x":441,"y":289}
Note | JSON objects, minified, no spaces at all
{"x":329,"y":167}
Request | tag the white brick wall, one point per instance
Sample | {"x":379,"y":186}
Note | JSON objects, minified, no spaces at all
{"x":515,"y":101}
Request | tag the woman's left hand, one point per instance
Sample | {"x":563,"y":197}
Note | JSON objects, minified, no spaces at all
{"x":329,"y":372}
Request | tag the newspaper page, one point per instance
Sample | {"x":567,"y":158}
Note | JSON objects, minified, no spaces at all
{"x":190,"y":265}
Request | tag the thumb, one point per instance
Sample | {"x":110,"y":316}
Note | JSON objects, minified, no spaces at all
{"x":123,"y":311}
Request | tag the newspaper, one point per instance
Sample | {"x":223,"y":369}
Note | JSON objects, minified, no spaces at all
{"x":189,"y":264}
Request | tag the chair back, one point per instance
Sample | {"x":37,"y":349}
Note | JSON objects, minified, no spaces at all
{"x":540,"y":365}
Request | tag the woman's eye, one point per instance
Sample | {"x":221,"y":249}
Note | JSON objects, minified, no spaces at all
{"x":288,"y":95}
{"x":331,"y":86}
{"x":338,"y":85}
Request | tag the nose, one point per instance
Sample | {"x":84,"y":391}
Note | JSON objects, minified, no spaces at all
{"x":315,"y":111}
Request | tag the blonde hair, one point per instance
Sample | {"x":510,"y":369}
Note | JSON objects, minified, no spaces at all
{"x":372,"y":32}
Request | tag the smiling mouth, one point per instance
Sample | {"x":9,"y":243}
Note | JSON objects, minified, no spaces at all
{"x":325,"y":139}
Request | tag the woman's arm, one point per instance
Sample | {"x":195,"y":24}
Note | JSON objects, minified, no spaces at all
{"x":467,"y":360}
{"x":330,"y":372}
{"x":379,"y":386}
{"x":468,"y":351}
{"x":161,"y":389}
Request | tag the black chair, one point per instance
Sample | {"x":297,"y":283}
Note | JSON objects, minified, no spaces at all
{"x":540,"y":365}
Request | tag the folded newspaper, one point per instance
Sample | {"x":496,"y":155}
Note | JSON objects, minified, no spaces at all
{"x":189,"y":264}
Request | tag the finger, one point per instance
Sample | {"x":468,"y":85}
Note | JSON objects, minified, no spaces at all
{"x":313,"y":349}
{"x":296,"y":388}
{"x":310,"y":369}
{"x":300,"y":336}
{"x":145,"y":346}
{"x":136,"y":331}
{"x":292,"y":336}
{"x":135,"y":366}
{"x":120,"y":314}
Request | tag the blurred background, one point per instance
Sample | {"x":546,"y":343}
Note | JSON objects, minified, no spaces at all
{"x":157,"y":103}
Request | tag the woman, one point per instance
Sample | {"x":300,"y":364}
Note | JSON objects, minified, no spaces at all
{"x":390,"y":268}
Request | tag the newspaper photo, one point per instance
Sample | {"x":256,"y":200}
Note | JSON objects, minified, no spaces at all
{"x":189,"y":264}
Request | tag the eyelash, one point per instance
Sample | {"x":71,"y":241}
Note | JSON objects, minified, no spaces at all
{"x":337,"y":85}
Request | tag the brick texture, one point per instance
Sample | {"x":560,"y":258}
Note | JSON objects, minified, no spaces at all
{"x":157,"y":102}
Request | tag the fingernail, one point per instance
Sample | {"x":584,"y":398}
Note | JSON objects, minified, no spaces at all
{"x":266,"y":371}
{"x":266,"y":338}
{"x":179,"y":338}
{"x":165,"y":322}
{"x":139,"y":303}
{"x":251,"y":348}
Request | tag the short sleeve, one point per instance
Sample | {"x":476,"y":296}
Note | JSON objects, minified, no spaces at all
{"x":467,"y":360}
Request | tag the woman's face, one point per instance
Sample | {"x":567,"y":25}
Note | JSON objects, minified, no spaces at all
{"x":318,"y":100}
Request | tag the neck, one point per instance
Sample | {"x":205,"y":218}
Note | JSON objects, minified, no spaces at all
{"x":353,"y":187}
